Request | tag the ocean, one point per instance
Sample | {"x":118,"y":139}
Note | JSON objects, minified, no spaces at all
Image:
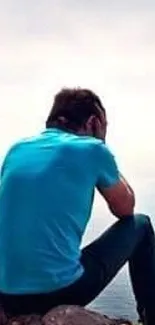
{"x":117,"y":299}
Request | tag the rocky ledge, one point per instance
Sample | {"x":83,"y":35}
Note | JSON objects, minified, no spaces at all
{"x":64,"y":315}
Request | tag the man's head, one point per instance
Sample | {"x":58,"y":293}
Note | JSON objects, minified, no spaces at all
{"x":78,"y":110}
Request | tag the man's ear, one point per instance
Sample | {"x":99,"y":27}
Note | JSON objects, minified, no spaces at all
{"x":91,"y":125}
{"x":98,"y":123}
{"x":91,"y":121}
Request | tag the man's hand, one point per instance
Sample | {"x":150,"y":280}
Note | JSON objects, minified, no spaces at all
{"x":120,"y":198}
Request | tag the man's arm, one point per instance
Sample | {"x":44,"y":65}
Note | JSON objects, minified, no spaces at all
{"x":119,"y":197}
{"x":113,"y":186}
{"x":128,"y":185}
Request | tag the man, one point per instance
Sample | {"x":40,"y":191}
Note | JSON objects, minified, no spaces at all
{"x":46,"y":196}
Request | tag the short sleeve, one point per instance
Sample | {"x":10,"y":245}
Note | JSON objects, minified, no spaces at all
{"x":6,"y":158}
{"x":4,"y":163}
{"x":108,"y":172}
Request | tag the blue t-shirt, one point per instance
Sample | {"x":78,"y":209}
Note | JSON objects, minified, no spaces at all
{"x":46,"y":195}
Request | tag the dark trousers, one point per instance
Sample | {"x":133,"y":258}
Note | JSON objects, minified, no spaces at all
{"x":130,"y":239}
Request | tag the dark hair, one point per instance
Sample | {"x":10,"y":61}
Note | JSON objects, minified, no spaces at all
{"x":72,"y":108}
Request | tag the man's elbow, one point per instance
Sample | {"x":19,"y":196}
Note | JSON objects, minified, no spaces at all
{"x":124,"y":209}
{"x":123,"y":214}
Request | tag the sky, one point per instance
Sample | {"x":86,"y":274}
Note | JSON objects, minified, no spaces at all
{"x":108,"y":46}
{"x":105,"y":45}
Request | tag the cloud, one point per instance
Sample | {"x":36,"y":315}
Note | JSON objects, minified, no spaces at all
{"x":105,"y":45}
{"x":64,"y":18}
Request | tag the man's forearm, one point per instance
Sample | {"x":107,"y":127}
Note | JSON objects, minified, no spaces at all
{"x":129,"y":187}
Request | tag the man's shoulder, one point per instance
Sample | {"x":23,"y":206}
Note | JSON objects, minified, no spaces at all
{"x":24,"y":141}
{"x":18,"y":152}
{"x":16,"y":147}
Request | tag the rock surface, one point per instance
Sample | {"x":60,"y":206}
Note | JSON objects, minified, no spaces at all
{"x":64,"y":315}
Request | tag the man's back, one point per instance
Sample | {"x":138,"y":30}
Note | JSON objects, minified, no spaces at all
{"x":46,"y":196}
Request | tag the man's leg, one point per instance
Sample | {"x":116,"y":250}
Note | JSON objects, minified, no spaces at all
{"x":130,"y":239}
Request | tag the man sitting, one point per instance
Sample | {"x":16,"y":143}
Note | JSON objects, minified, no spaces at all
{"x":46,"y":196}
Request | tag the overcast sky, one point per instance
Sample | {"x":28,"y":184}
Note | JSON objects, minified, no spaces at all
{"x":108,"y":46}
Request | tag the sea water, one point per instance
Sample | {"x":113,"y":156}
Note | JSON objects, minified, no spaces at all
{"x":117,"y":299}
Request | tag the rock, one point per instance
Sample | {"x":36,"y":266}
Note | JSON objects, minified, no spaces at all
{"x":26,"y":320}
{"x":64,"y":315}
{"x":74,"y":315}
